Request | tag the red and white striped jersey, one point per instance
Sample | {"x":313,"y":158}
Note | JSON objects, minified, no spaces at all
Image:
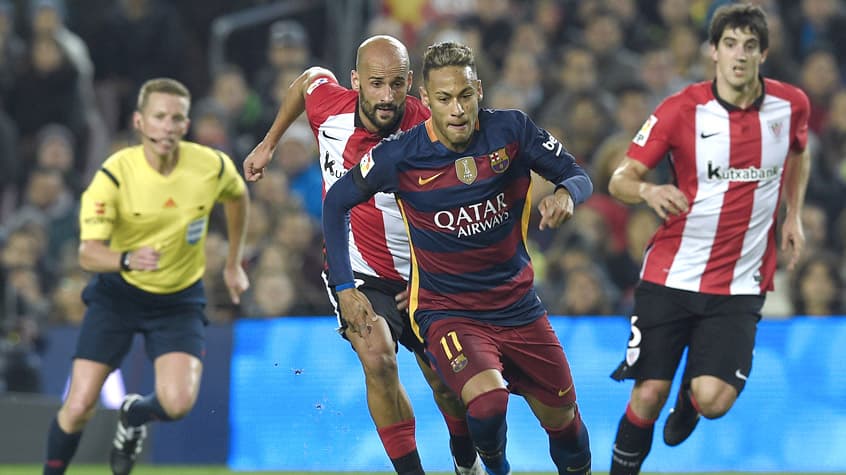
{"x":729,"y":163}
{"x":378,"y":242}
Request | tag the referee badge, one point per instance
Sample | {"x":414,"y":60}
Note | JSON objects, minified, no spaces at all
{"x":465,"y":169}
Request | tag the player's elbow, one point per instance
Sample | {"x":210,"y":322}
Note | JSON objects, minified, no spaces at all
{"x":614,"y":186}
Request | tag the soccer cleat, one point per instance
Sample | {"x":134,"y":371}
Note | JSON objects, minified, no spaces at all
{"x":128,"y":439}
{"x":476,"y":469}
{"x":505,"y":469}
{"x":681,"y":421}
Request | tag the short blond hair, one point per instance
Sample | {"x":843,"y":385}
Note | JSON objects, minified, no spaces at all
{"x":163,"y":85}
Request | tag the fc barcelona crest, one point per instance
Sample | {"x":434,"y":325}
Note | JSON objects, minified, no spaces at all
{"x":499,"y":161}
{"x":458,"y":363}
{"x":465,"y":169}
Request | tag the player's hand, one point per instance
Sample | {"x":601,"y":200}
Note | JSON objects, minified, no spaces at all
{"x":257,"y":160}
{"x":357,"y":312}
{"x":666,"y":200}
{"x":402,"y":300}
{"x":792,"y":239}
{"x":555,"y":209}
{"x":236,"y":281}
{"x":144,"y":258}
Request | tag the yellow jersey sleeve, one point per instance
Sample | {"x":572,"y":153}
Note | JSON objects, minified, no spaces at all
{"x":231,"y":185}
{"x":98,"y":207}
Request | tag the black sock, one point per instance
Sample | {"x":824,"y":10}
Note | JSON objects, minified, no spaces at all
{"x":409,"y":464}
{"x":146,"y":410}
{"x":632,"y":445}
{"x":60,"y":449}
{"x":462,"y":449}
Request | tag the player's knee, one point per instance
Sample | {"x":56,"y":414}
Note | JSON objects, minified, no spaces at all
{"x":380,"y":366}
{"x":713,"y":404}
{"x":648,"y":397}
{"x":177,"y":403}
{"x":77,"y":412}
{"x":446,"y":398}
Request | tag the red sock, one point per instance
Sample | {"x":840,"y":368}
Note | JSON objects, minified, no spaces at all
{"x":693,"y":401}
{"x":398,"y":439}
{"x":456,"y":425}
{"x":637,"y":420}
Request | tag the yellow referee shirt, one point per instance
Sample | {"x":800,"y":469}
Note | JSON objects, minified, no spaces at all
{"x":131,"y":205}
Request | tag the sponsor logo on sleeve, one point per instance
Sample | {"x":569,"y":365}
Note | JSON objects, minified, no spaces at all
{"x":313,"y":85}
{"x":366,"y":164}
{"x":643,"y":134}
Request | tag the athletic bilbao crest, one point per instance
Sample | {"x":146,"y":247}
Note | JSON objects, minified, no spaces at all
{"x":776,"y":127}
{"x":465,"y":169}
{"x":458,"y":363}
{"x":499,"y":161}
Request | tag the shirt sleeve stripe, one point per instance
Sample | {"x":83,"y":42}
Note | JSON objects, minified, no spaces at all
{"x":111,"y":177}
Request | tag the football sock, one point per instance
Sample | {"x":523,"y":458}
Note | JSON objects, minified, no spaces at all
{"x":460,"y":442}
{"x":632,"y":445}
{"x":569,"y":447}
{"x":60,"y":448}
{"x":486,"y":420}
{"x":398,"y":440}
{"x":146,"y":410}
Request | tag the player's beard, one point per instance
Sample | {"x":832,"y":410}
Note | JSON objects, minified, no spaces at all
{"x":384,"y":128}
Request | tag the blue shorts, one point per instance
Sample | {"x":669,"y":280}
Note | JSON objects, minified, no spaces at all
{"x":117,"y":310}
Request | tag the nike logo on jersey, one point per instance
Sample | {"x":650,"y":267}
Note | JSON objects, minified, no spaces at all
{"x":705,"y":136}
{"x":323,"y":132}
{"x":563,"y":392}
{"x":422,"y":181}
{"x":739,"y":375}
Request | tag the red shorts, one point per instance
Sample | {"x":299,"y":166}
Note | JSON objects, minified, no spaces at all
{"x":529,"y":357}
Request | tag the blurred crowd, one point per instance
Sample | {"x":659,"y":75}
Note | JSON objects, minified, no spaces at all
{"x":590,"y":71}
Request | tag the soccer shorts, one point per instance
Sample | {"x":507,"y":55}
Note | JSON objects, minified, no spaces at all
{"x":117,"y":310}
{"x":382,"y":293}
{"x":717,"y":330}
{"x":529,"y":357}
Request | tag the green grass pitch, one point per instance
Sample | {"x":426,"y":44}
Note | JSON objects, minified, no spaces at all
{"x":218,"y":470}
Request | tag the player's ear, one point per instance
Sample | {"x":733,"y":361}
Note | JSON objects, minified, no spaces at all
{"x":354,"y":80}
{"x":136,"y":120}
{"x":424,"y":96}
{"x":409,"y":80}
{"x":479,"y":88}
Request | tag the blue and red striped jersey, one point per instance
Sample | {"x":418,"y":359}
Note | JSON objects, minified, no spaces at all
{"x":466,"y":215}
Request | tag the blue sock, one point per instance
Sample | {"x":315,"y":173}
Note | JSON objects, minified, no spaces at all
{"x":61,"y":447}
{"x":570,"y":448}
{"x":486,"y":421}
{"x":146,"y":410}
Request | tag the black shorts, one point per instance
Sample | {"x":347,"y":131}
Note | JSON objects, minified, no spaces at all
{"x":117,"y":310}
{"x":718,"y":331}
{"x":382,"y":293}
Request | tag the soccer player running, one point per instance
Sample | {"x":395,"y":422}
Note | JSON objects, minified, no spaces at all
{"x":461,"y":180}
{"x":347,"y":123}
{"x":733,"y":144}
{"x":143,"y":225}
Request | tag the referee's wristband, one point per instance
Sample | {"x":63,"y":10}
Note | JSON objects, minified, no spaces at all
{"x":344,"y":286}
{"x":124,"y":261}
